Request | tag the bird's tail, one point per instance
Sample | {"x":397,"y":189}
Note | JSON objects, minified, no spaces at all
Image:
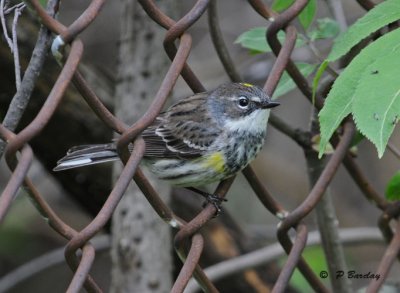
{"x":84,"y":155}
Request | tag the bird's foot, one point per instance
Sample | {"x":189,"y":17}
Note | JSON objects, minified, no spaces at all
{"x":216,"y":201}
{"x":213,"y":199}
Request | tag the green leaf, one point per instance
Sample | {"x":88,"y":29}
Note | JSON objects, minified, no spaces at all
{"x":326,"y":28}
{"x":392,"y":191}
{"x":254,"y":39}
{"x":280,"y":5}
{"x":286,"y":83}
{"x":307,"y":14}
{"x":339,"y":102}
{"x":376,"y":106}
{"x":316,"y":79}
{"x":386,"y":12}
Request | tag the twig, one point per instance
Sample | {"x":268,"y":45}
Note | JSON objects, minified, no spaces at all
{"x":21,"y":98}
{"x":12,"y":42}
{"x":3,"y":24}
{"x":17,"y":13}
{"x":9,"y":10}
{"x":349,"y":236}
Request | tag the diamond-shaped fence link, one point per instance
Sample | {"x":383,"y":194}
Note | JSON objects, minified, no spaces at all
{"x":68,"y":49}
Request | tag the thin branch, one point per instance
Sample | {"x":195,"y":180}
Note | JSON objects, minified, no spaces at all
{"x":349,"y":236}
{"x":17,"y":13}
{"x":22,"y":96}
{"x":16,"y":6}
{"x":3,"y":24}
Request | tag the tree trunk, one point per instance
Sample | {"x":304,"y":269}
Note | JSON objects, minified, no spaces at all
{"x":141,"y":246}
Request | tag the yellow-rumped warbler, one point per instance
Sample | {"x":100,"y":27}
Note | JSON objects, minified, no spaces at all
{"x":201,"y":139}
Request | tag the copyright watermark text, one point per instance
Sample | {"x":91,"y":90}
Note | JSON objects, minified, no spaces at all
{"x":351,"y":275}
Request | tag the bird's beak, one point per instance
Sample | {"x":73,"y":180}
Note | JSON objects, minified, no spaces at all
{"x":269,"y":104}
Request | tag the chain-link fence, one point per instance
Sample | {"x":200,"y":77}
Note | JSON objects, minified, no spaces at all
{"x":68,"y":49}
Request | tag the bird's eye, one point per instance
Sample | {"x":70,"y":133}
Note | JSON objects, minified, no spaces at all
{"x":243,"y":102}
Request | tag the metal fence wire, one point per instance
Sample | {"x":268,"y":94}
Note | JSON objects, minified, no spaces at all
{"x":68,"y":48}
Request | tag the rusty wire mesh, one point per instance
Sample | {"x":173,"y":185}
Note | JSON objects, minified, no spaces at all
{"x":68,"y":37}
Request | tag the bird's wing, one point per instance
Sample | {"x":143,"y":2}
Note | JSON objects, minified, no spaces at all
{"x":184,"y":130}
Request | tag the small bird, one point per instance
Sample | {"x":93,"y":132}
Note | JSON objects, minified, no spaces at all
{"x":201,"y":139}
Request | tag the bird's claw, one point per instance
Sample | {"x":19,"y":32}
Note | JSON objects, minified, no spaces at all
{"x":216,"y":201}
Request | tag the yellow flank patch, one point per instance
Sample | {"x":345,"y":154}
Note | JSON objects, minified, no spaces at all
{"x":215,"y":161}
{"x":247,"y":84}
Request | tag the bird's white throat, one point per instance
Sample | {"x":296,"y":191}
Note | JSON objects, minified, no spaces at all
{"x":256,"y":122}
